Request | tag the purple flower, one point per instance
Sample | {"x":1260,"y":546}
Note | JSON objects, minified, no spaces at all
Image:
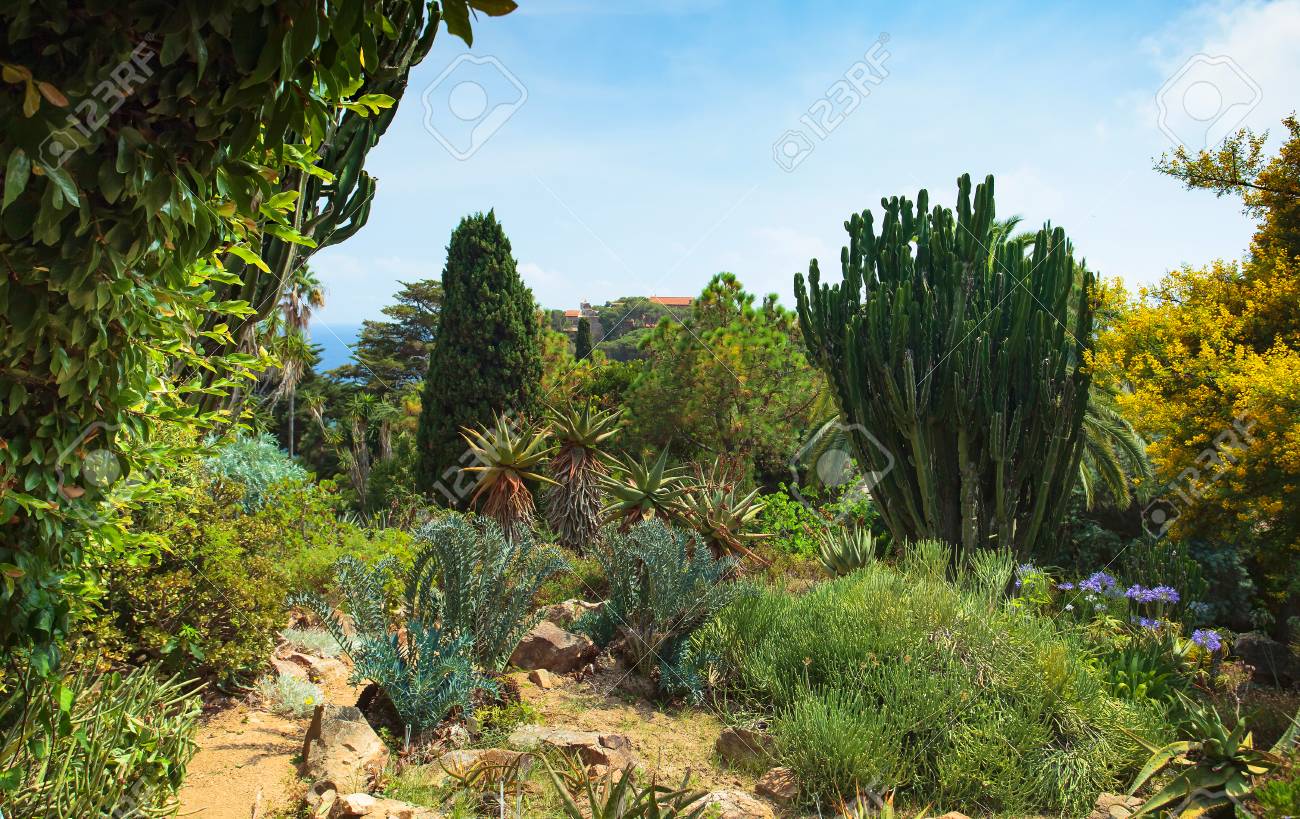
{"x":1149,"y":624}
{"x":1135,"y":592}
{"x":1024,"y":568}
{"x":1065,"y":586}
{"x":1098,"y":582}
{"x":1207,"y":639}
{"x":1165,"y":594}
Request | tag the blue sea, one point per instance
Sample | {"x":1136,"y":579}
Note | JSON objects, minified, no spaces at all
{"x":335,"y":341}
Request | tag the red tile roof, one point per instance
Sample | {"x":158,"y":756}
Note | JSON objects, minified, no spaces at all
{"x":673,"y":301}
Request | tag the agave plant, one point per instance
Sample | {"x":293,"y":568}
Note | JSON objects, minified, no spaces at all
{"x":641,"y":489}
{"x":573,"y":504}
{"x":507,"y":457}
{"x":723,"y":516}
{"x":846,"y":549}
{"x":615,"y":795}
{"x":1210,"y":771}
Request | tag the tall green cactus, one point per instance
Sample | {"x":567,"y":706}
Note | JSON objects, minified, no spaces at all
{"x":957,"y":359}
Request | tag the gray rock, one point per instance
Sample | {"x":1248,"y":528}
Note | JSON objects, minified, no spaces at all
{"x":744,"y":747}
{"x":1272,"y":661}
{"x":732,"y":804}
{"x":342,"y":750}
{"x":550,"y":647}
{"x":1115,"y":806}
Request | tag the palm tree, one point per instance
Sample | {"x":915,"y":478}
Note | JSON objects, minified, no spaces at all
{"x":1114,"y":454}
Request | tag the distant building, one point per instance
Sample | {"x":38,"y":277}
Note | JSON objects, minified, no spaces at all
{"x":586,"y":311}
{"x":672,"y":301}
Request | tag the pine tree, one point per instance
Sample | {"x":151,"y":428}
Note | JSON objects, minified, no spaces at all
{"x":487,"y":358}
{"x":582,"y":344}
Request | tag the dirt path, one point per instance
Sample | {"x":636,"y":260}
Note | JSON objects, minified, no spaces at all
{"x":245,"y":750}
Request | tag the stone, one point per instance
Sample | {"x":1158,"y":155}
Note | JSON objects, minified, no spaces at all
{"x":1271,"y":660}
{"x":543,"y":679}
{"x":342,"y":750}
{"x":613,"y":750}
{"x":567,"y":613}
{"x":731,"y":804}
{"x":744,"y":746}
{"x":1115,"y":806}
{"x":550,"y":647}
{"x":779,"y":785}
{"x":286,"y":668}
{"x":953,"y":814}
{"x":363,"y":804}
{"x":456,"y":736}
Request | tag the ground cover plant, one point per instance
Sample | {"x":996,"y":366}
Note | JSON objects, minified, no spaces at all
{"x":900,"y":678}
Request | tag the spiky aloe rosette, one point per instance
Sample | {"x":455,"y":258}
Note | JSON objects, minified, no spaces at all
{"x":507,"y":457}
{"x":574,"y":500}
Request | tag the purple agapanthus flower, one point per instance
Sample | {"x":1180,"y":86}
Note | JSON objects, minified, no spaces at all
{"x":1065,"y":586}
{"x":1165,"y":594}
{"x":1135,"y":592}
{"x":1207,"y":639}
{"x":1149,"y":624}
{"x":1098,"y":582}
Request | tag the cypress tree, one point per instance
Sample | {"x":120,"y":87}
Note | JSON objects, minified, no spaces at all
{"x":582,"y":344}
{"x":486,"y":359}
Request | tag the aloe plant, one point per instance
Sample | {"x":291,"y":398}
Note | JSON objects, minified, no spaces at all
{"x":574,"y":501}
{"x":615,"y":795}
{"x":846,"y":549}
{"x":723,"y":515}
{"x":508,"y":455}
{"x":641,"y":489}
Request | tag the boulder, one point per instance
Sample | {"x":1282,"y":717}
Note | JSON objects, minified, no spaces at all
{"x":953,"y":814}
{"x":543,"y":679}
{"x":612,"y":750}
{"x":779,"y":785}
{"x":550,"y":647}
{"x":744,"y":747}
{"x":342,"y":750}
{"x":363,"y":804}
{"x":567,"y":613}
{"x":1115,"y":806}
{"x":1272,"y":661}
{"x":729,"y":804}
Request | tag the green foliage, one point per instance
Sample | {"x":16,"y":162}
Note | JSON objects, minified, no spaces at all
{"x":968,"y":371}
{"x":582,"y":341}
{"x":479,"y":584}
{"x":722,"y":512}
{"x":94,"y":746}
{"x":1143,"y":670}
{"x":1212,"y":769}
{"x":954,"y":675}
{"x":427,"y":671}
{"x":642,"y":489}
{"x":844,"y":550}
{"x":615,"y":795}
{"x":663,"y":584}
{"x":574,"y":502}
{"x":508,"y":455}
{"x":105,"y":338}
{"x":315,"y":641}
{"x":256,"y":463}
{"x":394,"y":354}
{"x":1280,"y":796}
{"x":289,"y":695}
{"x":487,"y":358}
{"x":793,"y":527}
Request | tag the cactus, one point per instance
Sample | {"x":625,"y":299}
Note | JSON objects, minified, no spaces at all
{"x":957,"y":358}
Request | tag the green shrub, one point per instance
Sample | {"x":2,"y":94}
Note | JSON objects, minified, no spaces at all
{"x":481,"y":585}
{"x":1280,"y":796}
{"x":794,"y":527}
{"x":289,"y":695}
{"x":315,"y":641}
{"x":256,"y":463}
{"x":663,"y":583}
{"x":111,"y":745}
{"x":985,"y":704}
{"x":424,"y":675}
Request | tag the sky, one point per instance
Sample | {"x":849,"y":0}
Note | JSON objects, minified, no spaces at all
{"x":637,"y":147}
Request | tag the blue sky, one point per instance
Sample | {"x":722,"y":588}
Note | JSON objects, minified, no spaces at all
{"x":641,"y":159}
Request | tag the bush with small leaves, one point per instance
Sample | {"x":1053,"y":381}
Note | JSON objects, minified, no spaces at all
{"x":289,"y":695}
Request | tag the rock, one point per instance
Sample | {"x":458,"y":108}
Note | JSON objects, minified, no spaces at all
{"x":320,"y":799}
{"x":1271,"y":660}
{"x":779,"y":785}
{"x":342,"y":750}
{"x":363,"y":804}
{"x":550,"y":647}
{"x":952,"y":814}
{"x":567,"y":613}
{"x":543,"y":679}
{"x":285,"y":668}
{"x":1115,"y":806}
{"x":613,"y":750}
{"x":744,"y":746}
{"x":737,"y":805}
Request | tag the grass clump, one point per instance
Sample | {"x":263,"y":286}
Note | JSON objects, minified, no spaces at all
{"x":289,"y":695}
{"x":901,"y":678}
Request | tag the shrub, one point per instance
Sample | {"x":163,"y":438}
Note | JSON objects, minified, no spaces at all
{"x":315,"y":641}
{"x":794,"y":527}
{"x":256,"y":463}
{"x":663,"y":583}
{"x":425,"y":674}
{"x":480,"y":585}
{"x":86,"y":746}
{"x":956,"y":675}
{"x":289,"y":695}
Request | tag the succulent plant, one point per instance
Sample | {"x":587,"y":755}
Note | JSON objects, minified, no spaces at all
{"x":574,"y":501}
{"x":846,"y":549}
{"x":508,"y":455}
{"x":640,"y":489}
{"x":716,"y":508}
